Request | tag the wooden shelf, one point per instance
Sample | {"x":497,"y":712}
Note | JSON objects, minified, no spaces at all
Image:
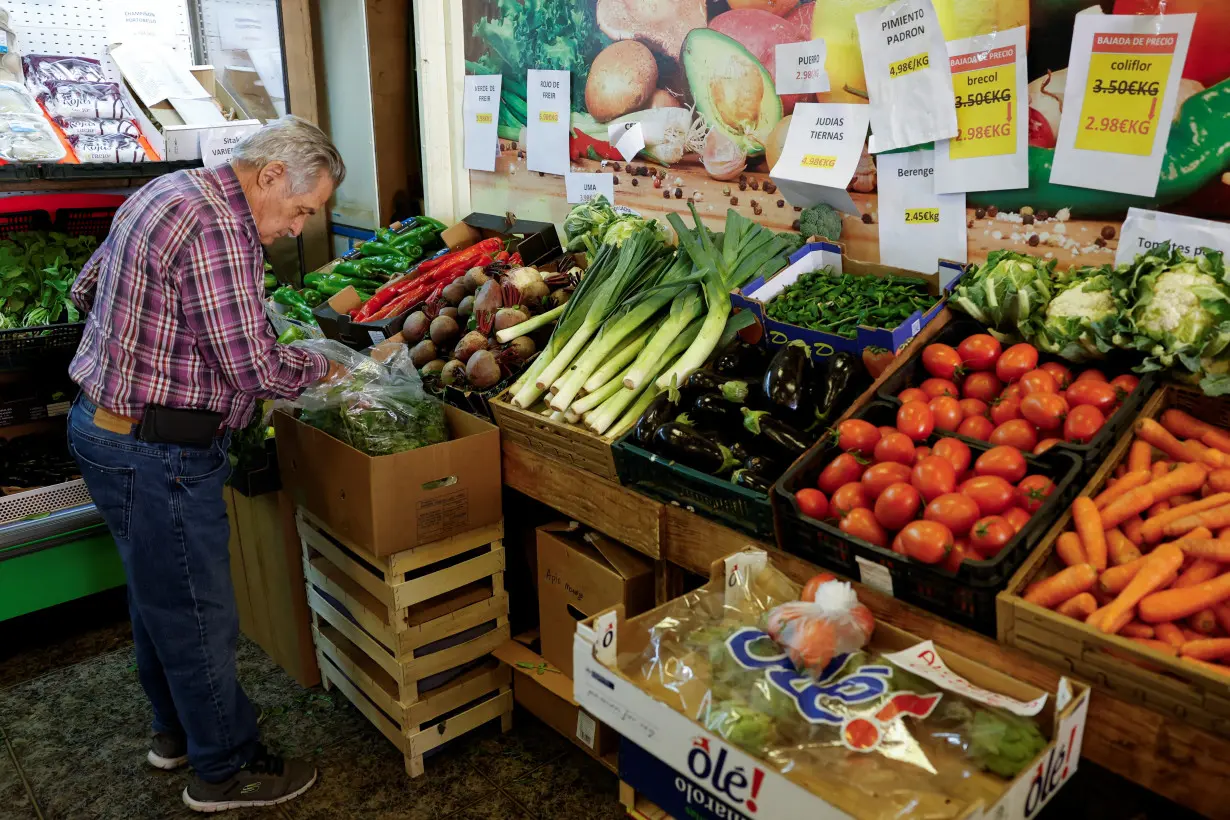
{"x":1175,"y":760}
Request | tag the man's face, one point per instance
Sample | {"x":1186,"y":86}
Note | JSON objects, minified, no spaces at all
{"x":278,"y":210}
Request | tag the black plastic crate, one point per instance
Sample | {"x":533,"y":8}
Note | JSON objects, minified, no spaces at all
{"x":32,"y":346}
{"x":710,"y":496}
{"x":113,"y":170}
{"x":95,"y":222}
{"x":966,"y":596}
{"x":1092,"y":454}
{"x":21,"y":221}
{"x":261,"y":478}
{"x":18,"y":172}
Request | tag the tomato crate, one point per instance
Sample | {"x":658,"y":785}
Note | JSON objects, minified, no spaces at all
{"x":710,"y":496}
{"x":912,"y":373}
{"x":967,"y":596}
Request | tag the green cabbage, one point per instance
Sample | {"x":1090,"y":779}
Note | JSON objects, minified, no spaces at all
{"x":591,"y":224}
{"x":1005,"y":293}
{"x":1079,"y":322}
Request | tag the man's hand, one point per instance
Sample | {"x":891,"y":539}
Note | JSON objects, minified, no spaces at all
{"x":336,"y":373}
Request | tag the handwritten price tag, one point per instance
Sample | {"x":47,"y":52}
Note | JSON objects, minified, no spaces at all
{"x":1124,"y":92}
{"x":984,"y":85}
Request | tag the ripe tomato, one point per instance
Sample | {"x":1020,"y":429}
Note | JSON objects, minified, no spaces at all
{"x":974,"y":407}
{"x":897,"y":506}
{"x":955,"y":450}
{"x":898,"y":547}
{"x":991,"y":493}
{"x":1013,"y":392}
{"x":861,"y":523}
{"x":920,"y":453}
{"x":946,"y":412}
{"x":1046,"y":411}
{"x":940,"y":387}
{"x":1082,"y":424}
{"x":958,"y":553}
{"x":926,"y":541}
{"x":814,"y":583}
{"x":912,"y":394}
{"x":1092,"y":393}
{"x":1038,"y":381}
{"x":841,"y":470}
{"x":1005,"y":409}
{"x":989,"y":535}
{"x":982,"y":386}
{"x":941,"y":361}
{"x":1091,"y":373}
{"x":1016,"y":361}
{"x":979,"y":352}
{"x":914,"y":418}
{"x":1005,"y":462}
{"x":886,"y":430}
{"x":857,"y":436}
{"x":1045,"y":444}
{"x":812,"y":503}
{"x":1061,"y":374}
{"x":1016,"y":433}
{"x":955,"y":511}
{"x":1016,"y":517}
{"x":1124,"y":385}
{"x":1032,"y":491}
{"x":849,"y":497}
{"x":879,"y":476}
{"x":896,"y":447}
{"x":933,"y":476}
{"x":978,"y":427}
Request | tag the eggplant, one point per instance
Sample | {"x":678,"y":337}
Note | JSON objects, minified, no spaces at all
{"x":837,"y":379}
{"x":742,"y":360}
{"x":764,"y":465}
{"x":783,"y":439}
{"x":740,"y":450}
{"x":683,"y":444}
{"x":662,"y":409}
{"x":711,"y":410}
{"x":789,"y":384}
{"x":750,"y":480}
{"x":706,"y":381}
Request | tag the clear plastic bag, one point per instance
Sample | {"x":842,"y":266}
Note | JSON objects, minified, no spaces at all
{"x":379,"y":408}
{"x":29,"y":138}
{"x":814,"y":632}
{"x":42,"y":69}
{"x":865,"y":735}
{"x":101,"y":101}
{"x":87,"y":127}
{"x":107,"y":147}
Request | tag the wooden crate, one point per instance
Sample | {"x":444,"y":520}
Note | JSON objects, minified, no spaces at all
{"x":570,"y":443}
{"x":1132,"y":671}
{"x":638,"y":806}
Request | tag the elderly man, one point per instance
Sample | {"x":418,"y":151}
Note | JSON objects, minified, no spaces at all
{"x":175,"y":355}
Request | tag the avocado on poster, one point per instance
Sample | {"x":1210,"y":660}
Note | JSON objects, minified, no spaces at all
{"x":699,"y":77}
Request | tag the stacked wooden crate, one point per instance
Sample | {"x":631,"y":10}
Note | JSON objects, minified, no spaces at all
{"x":407,"y":637}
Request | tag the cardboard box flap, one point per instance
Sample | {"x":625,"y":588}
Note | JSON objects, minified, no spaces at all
{"x":525,"y":661}
{"x":625,"y":561}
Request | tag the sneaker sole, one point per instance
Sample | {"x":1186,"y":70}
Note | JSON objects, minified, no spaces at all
{"x":208,"y":807}
{"x":167,"y":764}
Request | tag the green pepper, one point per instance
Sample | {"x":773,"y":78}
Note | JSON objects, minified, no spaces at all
{"x":412,"y":250}
{"x":386,"y":235}
{"x":1195,"y":155}
{"x":330,"y":284}
{"x":271,"y":281}
{"x":347,"y":267}
{"x":392,"y":263}
{"x":286,"y":295}
{"x":373,"y":248}
{"x":303,"y":313}
{"x":311,"y":297}
{"x":291,"y":334}
{"x":435,"y":224}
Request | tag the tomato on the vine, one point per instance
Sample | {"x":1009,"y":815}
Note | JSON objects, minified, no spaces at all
{"x":861,"y":523}
{"x":1046,"y":444}
{"x":955,"y":511}
{"x":1061,"y":374}
{"x":989,"y":535}
{"x":941,"y":361}
{"x":979,"y":352}
{"x":946,"y":413}
{"x":1083,"y":423}
{"x":1016,"y":361}
{"x":982,"y":386}
{"x":955,"y":451}
{"x":1091,"y":373}
{"x":978,"y":427}
{"x":926,"y":541}
{"x":1046,"y":411}
{"x":940,"y":387}
{"x":896,"y":447}
{"x":879,"y":476}
{"x":1006,"y":462}
{"x":849,"y":497}
{"x":974,"y":407}
{"x":841,"y":470}
{"x":1038,"y":381}
{"x":857,"y":436}
{"x":991,"y":493}
{"x":1093,"y":393}
{"x":1033,"y":491}
{"x":914,"y":418}
{"x":897,"y":506}
{"x":933,"y":476}
{"x":812,"y":503}
{"x":1016,"y":433}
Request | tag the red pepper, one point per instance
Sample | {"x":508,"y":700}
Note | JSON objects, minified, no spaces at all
{"x":429,"y":271}
{"x":502,"y":256}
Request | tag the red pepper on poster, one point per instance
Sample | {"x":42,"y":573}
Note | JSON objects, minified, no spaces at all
{"x":1208,"y":60}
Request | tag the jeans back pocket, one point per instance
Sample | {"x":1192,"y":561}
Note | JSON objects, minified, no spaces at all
{"x":111,"y":488}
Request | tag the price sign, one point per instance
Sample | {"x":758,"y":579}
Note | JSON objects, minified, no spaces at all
{"x":822,"y":149}
{"x":918,"y":227}
{"x":548,"y":104}
{"x":584,"y":187}
{"x":800,"y":68}
{"x":909,"y":65}
{"x":922,"y":216}
{"x":480,"y":106}
{"x":1124,"y":92}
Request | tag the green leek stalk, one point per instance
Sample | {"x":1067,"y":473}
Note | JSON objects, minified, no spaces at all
{"x":530,"y":325}
{"x":591,"y":400}
{"x":531,"y":373}
{"x":620,"y":361}
{"x":634,"y":412}
{"x":687,"y":306}
{"x":601,"y":419}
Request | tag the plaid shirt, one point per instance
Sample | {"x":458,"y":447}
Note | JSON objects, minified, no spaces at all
{"x":176,"y":310}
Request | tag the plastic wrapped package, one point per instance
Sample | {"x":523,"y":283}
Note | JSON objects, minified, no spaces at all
{"x":42,"y":69}
{"x":814,"y":632}
{"x":87,"y":127}
{"x":379,"y":408}
{"x":100,"y":101}
{"x":15,"y":100}
{"x":29,"y":138}
{"x":865,"y":735}
{"x":107,"y":148}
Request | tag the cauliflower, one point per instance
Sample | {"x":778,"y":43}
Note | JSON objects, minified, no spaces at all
{"x":1078,"y":322}
{"x":1175,"y":308}
{"x":1008,"y":293}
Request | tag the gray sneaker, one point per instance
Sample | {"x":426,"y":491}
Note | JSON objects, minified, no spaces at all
{"x":266,"y":781}
{"x":170,"y":751}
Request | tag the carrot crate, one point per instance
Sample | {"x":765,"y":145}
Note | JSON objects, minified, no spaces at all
{"x":407,"y":637}
{"x":1132,"y":671}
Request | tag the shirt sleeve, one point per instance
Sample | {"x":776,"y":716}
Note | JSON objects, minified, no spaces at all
{"x":82,"y":292}
{"x":224,"y":308}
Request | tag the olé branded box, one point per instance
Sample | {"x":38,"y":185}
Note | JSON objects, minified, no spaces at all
{"x":690,"y":772}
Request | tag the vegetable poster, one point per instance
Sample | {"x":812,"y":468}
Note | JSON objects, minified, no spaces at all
{"x":701,"y":78}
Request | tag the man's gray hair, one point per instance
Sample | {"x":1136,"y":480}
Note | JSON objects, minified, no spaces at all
{"x":300,"y":146}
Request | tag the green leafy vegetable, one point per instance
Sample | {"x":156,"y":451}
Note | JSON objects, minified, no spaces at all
{"x":37,"y":271}
{"x":820,"y":220}
{"x":1080,"y":320}
{"x":1005,"y":292}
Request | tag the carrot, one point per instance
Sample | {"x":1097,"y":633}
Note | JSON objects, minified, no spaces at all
{"x":1208,"y":649}
{"x":1119,"y":471}
{"x":1078,"y":606}
{"x":1191,"y":634}
{"x":1201,"y":570}
{"x":1153,"y":529}
{"x":1186,"y":478}
{"x":1136,"y":629}
{"x":1061,"y":586}
{"x":1119,"y":550}
{"x":1174,"y":604}
{"x":1130,"y":481}
{"x":1217,"y":439}
{"x":1197,"y":452}
{"x":1116,"y":579}
{"x":1140,"y":456}
{"x":1222,"y":613}
{"x":1204,"y":622}
{"x":1179,"y":500}
{"x":1184,"y":425}
{"x":1214,"y":518}
{"x":1211,"y":548}
{"x":1132,"y":529}
{"x":1160,"y":646}
{"x":1089,"y":526}
{"x":1160,"y":468}
{"x":1068,"y":548}
{"x":1219,"y":480}
{"x":1159,"y":567}
{"x":1211,"y":667}
{"x":1161,"y":438}
{"x":1223,"y":534}
{"x":1157,"y":509}
{"x":1170,"y":633}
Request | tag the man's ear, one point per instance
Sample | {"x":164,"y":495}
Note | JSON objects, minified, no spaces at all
{"x":272,"y":173}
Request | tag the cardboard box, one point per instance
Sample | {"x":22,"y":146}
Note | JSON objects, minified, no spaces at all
{"x":546,"y":693}
{"x":690,"y":772}
{"x":387,"y":504}
{"x":581,"y":573}
{"x":816,"y":255}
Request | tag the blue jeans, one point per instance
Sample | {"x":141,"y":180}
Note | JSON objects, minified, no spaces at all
{"x":163,"y":504}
